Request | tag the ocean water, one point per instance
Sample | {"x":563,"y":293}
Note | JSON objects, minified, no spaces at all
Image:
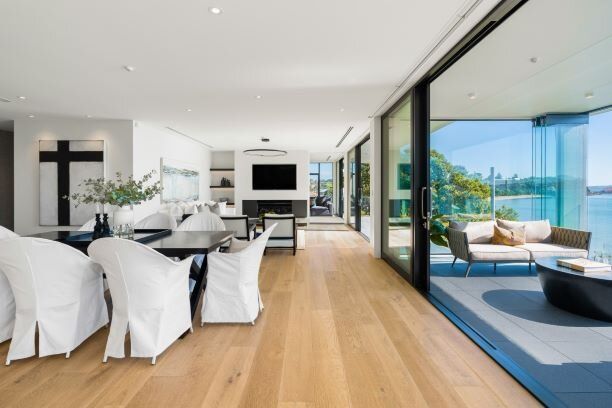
{"x":599,"y":218}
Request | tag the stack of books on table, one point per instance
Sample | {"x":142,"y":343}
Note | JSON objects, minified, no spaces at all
{"x":584,"y":265}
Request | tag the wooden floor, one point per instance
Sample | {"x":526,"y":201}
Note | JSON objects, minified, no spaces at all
{"x":340,"y":328}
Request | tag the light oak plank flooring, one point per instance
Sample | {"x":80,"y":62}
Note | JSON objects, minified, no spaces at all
{"x":339,"y":329}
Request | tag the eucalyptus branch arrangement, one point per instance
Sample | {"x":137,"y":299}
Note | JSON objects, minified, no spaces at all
{"x":117,"y":192}
{"x":132,"y":192}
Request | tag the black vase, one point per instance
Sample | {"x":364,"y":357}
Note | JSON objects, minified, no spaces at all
{"x":106,"y":231}
{"x":97,"y":232}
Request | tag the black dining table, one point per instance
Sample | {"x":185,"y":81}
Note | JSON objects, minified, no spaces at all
{"x":181,"y":244}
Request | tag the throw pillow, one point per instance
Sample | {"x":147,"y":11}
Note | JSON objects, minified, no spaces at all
{"x":237,"y":245}
{"x":535,"y":231}
{"x":512,"y":236}
{"x":478,"y":232}
{"x":215,"y":209}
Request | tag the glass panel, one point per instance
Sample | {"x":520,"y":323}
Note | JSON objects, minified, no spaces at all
{"x":340,"y":207}
{"x":352,"y":187}
{"x":396,"y":187}
{"x":321,"y":189}
{"x":599,"y":190}
{"x":364,"y":188}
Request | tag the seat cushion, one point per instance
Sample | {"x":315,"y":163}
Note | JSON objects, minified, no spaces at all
{"x":479,"y":232}
{"x":535,"y":231}
{"x":492,"y":253}
{"x":542,"y":250}
{"x":280,"y":243}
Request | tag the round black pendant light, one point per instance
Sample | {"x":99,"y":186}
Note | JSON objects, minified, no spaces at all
{"x":265,"y":152}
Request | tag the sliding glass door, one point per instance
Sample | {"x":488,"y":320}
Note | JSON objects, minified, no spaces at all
{"x":352,"y":170}
{"x":363,"y":191}
{"x":397,"y":187}
{"x":340,"y":206}
{"x":359,"y":160}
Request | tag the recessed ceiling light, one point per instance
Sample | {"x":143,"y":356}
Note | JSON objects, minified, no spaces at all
{"x":128,"y":68}
{"x":471,"y":95}
{"x":533,"y":60}
{"x":589,"y":95}
{"x":258,"y":97}
{"x":88,"y":116}
{"x":23,"y":98}
{"x":215,"y":10}
{"x":31,"y":116}
{"x":188,"y":110}
{"x":341,"y":109}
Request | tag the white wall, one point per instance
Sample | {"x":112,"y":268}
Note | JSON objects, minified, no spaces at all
{"x":116,"y":133}
{"x":151,"y":144}
{"x":244,"y":183}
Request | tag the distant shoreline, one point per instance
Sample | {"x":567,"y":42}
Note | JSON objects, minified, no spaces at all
{"x":513,"y":197}
{"x":516,"y":197}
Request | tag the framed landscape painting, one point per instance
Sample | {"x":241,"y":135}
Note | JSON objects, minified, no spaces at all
{"x":180,"y":181}
{"x":403,"y":176}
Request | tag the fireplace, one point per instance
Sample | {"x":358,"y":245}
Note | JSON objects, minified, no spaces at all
{"x":254,"y":208}
{"x":274,"y":207}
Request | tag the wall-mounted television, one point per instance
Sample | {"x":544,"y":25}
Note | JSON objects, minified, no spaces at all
{"x":274,"y":177}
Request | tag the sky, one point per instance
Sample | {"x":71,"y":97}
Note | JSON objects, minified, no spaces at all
{"x":506,"y":145}
{"x":326,"y":170}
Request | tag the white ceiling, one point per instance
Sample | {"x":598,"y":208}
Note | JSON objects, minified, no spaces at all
{"x":572,"y":41}
{"x":308,"y":60}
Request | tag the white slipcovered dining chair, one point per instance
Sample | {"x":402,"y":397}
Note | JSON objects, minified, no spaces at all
{"x":240,"y":225}
{"x":285,"y":234}
{"x":7,"y":301}
{"x":56,"y":287}
{"x":232,"y":288}
{"x":150,"y":296}
{"x":204,"y":221}
{"x":157,"y":221}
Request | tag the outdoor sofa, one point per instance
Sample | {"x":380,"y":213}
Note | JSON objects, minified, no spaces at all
{"x":472,"y":242}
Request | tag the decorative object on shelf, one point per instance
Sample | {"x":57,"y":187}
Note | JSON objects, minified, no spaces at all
{"x":224,"y":199}
{"x":180,"y":181}
{"x":265,"y":152}
{"x":61,"y":163}
{"x":225,"y":182}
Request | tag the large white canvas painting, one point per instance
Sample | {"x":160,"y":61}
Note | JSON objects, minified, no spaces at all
{"x":180,"y":181}
{"x":64,"y":164}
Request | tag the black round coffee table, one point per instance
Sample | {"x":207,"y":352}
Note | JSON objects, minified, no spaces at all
{"x":588,"y":295}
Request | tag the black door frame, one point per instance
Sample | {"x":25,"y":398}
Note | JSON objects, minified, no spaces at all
{"x":358,"y":189}
{"x":340,"y":166}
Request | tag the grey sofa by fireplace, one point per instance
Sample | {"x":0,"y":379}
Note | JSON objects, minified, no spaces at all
{"x":471,"y":242}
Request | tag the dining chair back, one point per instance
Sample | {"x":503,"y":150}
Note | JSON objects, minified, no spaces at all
{"x":7,"y":301}
{"x":204,"y":221}
{"x":150,"y":296}
{"x":232,"y":290}
{"x":285,"y":234}
{"x":55,"y":287}
{"x":239,"y":224}
{"x":157,"y":221}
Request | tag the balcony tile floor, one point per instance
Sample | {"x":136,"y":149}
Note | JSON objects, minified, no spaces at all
{"x":568,"y":354}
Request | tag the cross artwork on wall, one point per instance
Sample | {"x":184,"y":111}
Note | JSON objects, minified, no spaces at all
{"x":64,"y":164}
